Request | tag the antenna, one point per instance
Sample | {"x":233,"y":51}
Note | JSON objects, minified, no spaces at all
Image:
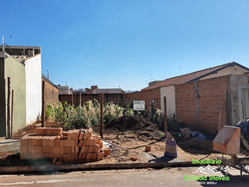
{"x":47,"y":74}
{"x":3,"y":43}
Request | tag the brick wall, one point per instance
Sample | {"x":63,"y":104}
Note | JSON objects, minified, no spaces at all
{"x":115,"y":98}
{"x":147,"y":95}
{"x":51,"y":93}
{"x":212,"y":94}
{"x":119,"y":99}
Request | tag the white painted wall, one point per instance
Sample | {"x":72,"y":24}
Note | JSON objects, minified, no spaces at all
{"x":169,"y":92}
{"x":33,"y":89}
{"x":226,"y":71}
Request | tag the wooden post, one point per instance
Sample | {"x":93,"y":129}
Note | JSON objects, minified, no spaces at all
{"x":43,"y":103}
{"x":165,"y":115}
{"x":8,"y":108}
{"x":219,"y":118}
{"x":72,"y":98}
{"x":101,"y":115}
{"x":80,"y":97}
{"x":12,"y":114}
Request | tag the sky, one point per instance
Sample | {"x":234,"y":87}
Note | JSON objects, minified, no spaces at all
{"x":127,"y":43}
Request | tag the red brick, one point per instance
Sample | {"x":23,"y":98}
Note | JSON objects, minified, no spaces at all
{"x":38,"y":149}
{"x":67,"y":150}
{"x":45,"y":149}
{"x":82,"y":150}
{"x":107,"y":151}
{"x":87,"y":148}
{"x":23,"y":149}
{"x":100,"y":156}
{"x":94,"y":156}
{"x":147,"y":148}
{"x":84,"y":156}
{"x":31,"y":149}
{"x":97,"y":148}
{"x":25,"y":156}
{"x":58,"y":150}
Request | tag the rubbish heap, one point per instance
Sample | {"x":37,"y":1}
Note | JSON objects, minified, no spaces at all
{"x":69,"y":145}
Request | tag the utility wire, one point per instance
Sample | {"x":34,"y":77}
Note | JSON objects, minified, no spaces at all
{"x":8,"y":32}
{"x":75,"y":82}
{"x":92,"y":80}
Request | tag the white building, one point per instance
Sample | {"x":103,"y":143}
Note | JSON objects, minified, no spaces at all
{"x":31,"y":57}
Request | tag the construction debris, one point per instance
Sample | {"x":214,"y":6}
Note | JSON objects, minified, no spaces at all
{"x":147,"y":148}
{"x":69,"y":145}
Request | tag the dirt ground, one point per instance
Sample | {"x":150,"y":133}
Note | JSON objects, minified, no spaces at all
{"x":135,"y":143}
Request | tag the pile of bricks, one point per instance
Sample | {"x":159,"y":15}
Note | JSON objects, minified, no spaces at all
{"x":69,"y":145}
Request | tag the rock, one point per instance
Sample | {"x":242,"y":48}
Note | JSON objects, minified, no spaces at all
{"x":144,"y":133}
{"x":133,"y":158}
{"x":131,"y":136}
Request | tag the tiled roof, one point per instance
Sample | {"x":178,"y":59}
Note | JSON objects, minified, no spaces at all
{"x":191,"y":76}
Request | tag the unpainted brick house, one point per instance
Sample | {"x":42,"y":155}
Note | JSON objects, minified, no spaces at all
{"x":199,"y":98}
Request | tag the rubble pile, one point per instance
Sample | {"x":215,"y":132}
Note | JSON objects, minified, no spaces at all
{"x":69,"y":145}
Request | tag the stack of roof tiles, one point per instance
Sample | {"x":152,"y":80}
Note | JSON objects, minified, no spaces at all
{"x":68,"y":145}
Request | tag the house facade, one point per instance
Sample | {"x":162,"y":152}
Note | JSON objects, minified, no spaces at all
{"x":207,"y":98}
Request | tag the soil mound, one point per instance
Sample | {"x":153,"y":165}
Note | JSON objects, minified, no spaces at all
{"x":133,"y":123}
